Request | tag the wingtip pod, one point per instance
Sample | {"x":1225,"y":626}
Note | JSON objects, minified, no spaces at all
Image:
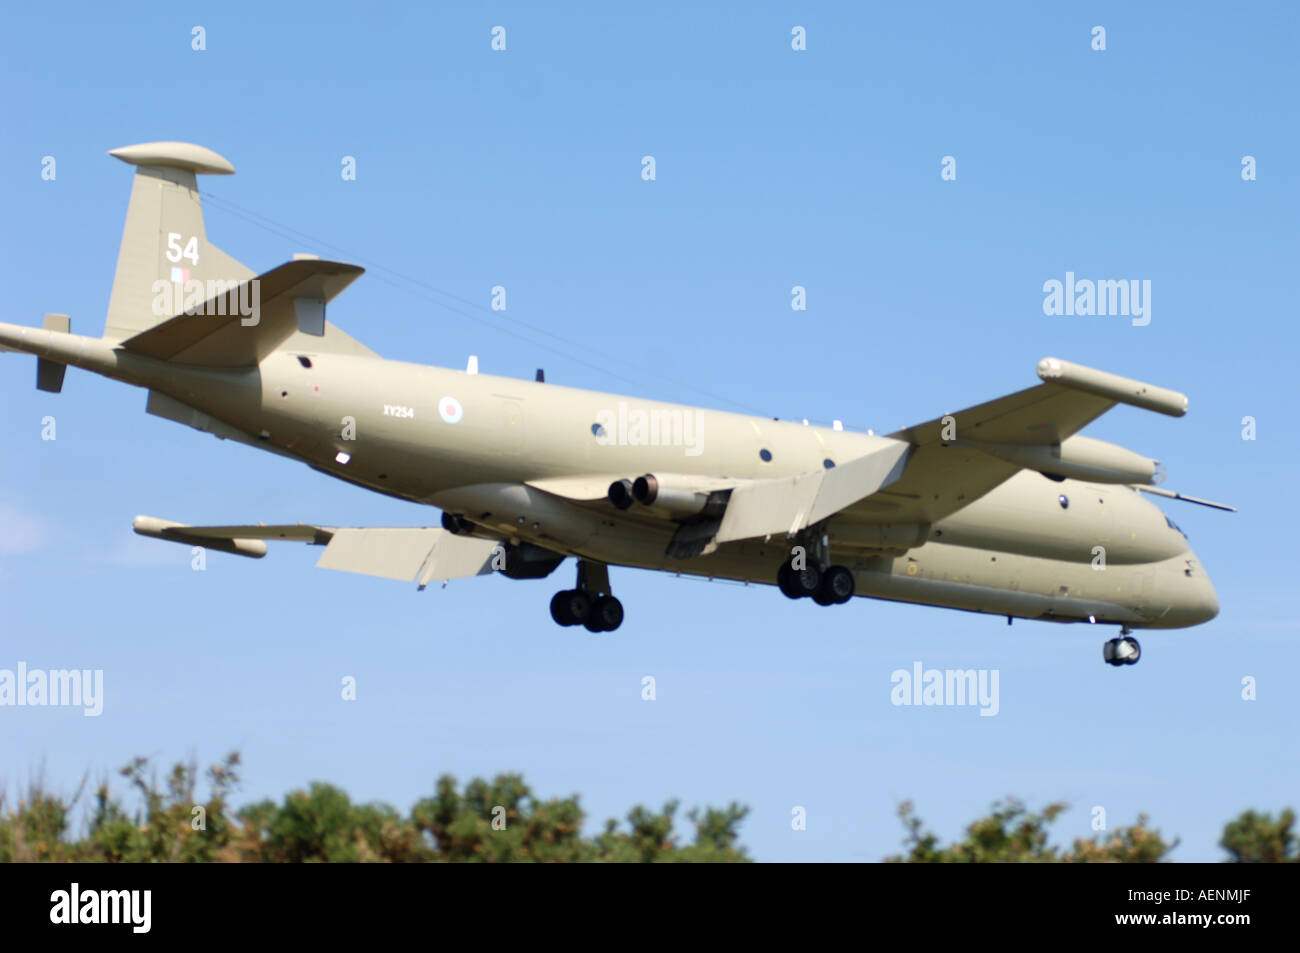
{"x":1124,"y":390}
{"x":176,"y":155}
{"x":155,"y":528}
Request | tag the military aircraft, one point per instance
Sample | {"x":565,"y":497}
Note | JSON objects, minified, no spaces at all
{"x":1001,"y":508}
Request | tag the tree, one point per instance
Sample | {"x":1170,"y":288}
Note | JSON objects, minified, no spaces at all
{"x":502,"y":821}
{"x":1259,"y":839}
{"x":1014,"y":834}
{"x":497,"y":821}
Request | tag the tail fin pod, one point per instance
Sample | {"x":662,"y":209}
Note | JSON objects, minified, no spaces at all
{"x":164,"y":238}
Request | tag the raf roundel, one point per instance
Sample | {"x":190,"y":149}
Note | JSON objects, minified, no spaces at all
{"x":451,"y":410}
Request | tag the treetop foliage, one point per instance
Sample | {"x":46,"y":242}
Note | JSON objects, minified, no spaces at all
{"x":494,"y":821}
{"x":502,"y":821}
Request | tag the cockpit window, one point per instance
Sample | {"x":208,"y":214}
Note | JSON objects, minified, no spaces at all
{"x":1173,"y":525}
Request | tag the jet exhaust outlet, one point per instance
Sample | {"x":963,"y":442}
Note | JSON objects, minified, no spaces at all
{"x":620,"y":494}
{"x":645,"y":489}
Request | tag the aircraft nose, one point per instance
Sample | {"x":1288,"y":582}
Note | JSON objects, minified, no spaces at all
{"x":1204,"y":601}
{"x":1203,"y":605}
{"x":1210,"y":601}
{"x":1184,"y":594}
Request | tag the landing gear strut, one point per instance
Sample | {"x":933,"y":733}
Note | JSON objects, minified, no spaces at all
{"x":590,"y":603}
{"x":1123,"y":650}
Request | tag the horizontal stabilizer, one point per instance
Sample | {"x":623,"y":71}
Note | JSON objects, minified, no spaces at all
{"x":242,"y":322}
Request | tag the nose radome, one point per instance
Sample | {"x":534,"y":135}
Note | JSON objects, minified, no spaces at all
{"x":1204,"y":600}
{"x":1209,"y":599}
{"x":1184,"y":595}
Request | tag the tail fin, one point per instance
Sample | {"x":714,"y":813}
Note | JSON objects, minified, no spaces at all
{"x":165,"y":241}
{"x":164,"y":238}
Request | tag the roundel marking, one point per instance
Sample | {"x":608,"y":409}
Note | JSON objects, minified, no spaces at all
{"x":450,"y":410}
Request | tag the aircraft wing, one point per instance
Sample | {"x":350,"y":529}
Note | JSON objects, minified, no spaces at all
{"x":923,"y":473}
{"x":411,"y":554}
{"x":950,"y":464}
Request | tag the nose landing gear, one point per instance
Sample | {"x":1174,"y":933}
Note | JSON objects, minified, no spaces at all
{"x":1123,"y":650}
{"x":590,"y":604}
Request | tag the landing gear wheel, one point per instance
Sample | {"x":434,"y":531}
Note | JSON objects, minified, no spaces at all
{"x":455,"y":524}
{"x":570,"y":607}
{"x":836,"y":587}
{"x":785,"y":582}
{"x":803,"y":582}
{"x":1122,"y":651}
{"x":606,"y":615}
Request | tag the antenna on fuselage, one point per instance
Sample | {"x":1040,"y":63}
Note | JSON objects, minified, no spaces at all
{"x":541,"y":376}
{"x":1171,"y":495}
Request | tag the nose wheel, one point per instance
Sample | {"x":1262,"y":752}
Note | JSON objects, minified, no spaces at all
{"x":590,"y":603}
{"x":1122,"y":651}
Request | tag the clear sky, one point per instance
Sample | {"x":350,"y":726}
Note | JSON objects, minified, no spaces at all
{"x":775,"y":168}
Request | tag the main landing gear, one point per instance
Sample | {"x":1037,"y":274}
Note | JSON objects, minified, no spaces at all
{"x":826,"y":587}
{"x":590,"y":603}
{"x":1123,"y":650}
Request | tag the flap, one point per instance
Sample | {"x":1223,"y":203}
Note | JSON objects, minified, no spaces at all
{"x":789,"y":504}
{"x":405,"y":553}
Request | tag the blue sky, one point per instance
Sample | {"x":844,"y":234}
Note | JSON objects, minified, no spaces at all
{"x":774,"y":168}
